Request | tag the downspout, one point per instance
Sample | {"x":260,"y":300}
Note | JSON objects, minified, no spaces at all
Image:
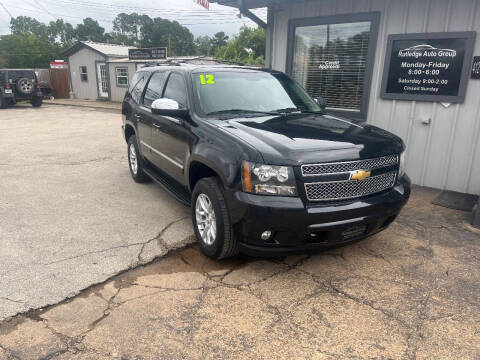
{"x":245,"y":11}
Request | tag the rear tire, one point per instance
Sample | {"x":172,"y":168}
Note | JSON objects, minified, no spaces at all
{"x":210,"y":216}
{"x":37,"y":102}
{"x":3,"y":102}
{"x":135,"y":161}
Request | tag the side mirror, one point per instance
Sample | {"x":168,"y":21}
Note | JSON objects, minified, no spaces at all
{"x":321,"y":102}
{"x":168,"y":107}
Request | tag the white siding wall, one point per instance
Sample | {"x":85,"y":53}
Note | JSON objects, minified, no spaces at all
{"x":446,"y":154}
{"x":84,"y":57}
{"x":118,"y":93}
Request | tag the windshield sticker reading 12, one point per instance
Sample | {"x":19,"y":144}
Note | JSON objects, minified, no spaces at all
{"x":207,"y":80}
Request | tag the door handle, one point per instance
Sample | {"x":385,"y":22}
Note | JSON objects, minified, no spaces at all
{"x":157,"y":126}
{"x":138,"y":117}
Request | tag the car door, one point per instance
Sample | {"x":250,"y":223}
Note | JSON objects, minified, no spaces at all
{"x":153,"y":91}
{"x":140,"y":116}
{"x":170,"y":135}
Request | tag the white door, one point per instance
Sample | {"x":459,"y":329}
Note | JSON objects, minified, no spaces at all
{"x":102,"y":80}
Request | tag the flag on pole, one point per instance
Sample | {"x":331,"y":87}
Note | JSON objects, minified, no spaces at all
{"x":204,"y":3}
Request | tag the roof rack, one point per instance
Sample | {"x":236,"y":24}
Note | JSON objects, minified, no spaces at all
{"x":227,"y":62}
{"x":165,"y":63}
{"x":179,"y":62}
{"x":175,"y":62}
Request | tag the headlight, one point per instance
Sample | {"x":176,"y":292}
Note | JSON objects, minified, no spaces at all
{"x":401,"y":168}
{"x":268,"y":179}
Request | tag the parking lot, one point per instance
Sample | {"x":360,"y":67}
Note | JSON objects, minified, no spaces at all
{"x":71,"y":217}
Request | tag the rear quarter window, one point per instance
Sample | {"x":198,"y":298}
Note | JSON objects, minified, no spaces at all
{"x":3,"y":77}
{"x":134,"y":81}
{"x":138,"y":86}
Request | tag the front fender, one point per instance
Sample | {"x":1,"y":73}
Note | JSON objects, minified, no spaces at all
{"x":224,"y":171}
{"x":222,"y":156}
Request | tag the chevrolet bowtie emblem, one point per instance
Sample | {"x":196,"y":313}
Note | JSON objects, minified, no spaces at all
{"x":360,"y":175}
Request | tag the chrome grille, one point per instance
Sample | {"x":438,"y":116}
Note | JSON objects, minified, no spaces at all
{"x":340,"y":167}
{"x":349,"y":189}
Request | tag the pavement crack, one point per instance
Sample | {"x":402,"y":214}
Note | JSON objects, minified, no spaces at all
{"x":91,"y":253}
{"x":75,"y":163}
{"x":367,"y":303}
{"x":106,"y":311}
{"x":142,"y":244}
{"x":11,"y":355}
{"x":157,"y":238}
{"x":11,"y":300}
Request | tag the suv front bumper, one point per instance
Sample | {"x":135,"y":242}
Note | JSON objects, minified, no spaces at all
{"x":299,"y":227}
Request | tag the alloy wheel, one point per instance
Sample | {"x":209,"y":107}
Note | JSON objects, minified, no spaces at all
{"x":206,"y":220}
{"x":133,"y":159}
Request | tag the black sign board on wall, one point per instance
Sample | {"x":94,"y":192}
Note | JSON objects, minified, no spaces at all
{"x":476,"y":68}
{"x":428,"y":66}
{"x":159,"y":53}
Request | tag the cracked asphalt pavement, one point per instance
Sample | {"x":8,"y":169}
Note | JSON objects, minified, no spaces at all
{"x":70,"y":214}
{"x":410,"y":292}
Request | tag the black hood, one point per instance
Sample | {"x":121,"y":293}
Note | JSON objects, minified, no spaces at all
{"x":308,"y":138}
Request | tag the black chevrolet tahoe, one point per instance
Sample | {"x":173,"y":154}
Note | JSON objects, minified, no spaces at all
{"x":264,"y":168}
{"x":17,"y":85}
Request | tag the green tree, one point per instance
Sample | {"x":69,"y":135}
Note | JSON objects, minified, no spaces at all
{"x":61,"y":32}
{"x":27,"y":51}
{"x":55,"y":32}
{"x":219,"y":39}
{"x":90,"y":30}
{"x":127,"y":27}
{"x":28,"y":25}
{"x":247,"y":47}
{"x":161,"y":32}
{"x":204,"y":45}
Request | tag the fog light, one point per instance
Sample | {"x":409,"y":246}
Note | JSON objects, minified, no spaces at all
{"x":266,"y":235}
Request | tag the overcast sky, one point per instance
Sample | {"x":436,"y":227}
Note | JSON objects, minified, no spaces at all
{"x":199,"y":20}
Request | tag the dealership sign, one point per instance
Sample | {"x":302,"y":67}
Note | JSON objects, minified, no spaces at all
{"x":204,"y":3}
{"x":159,"y":53}
{"x":428,"y":67}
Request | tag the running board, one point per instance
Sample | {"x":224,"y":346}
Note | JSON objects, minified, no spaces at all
{"x":170,"y":185}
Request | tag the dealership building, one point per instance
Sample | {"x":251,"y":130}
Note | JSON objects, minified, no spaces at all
{"x":411,"y":67}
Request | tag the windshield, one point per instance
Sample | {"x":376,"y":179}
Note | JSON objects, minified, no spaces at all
{"x":256,"y":91}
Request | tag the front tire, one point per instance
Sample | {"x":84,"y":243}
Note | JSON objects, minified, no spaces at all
{"x":211,"y":220}
{"x":135,"y":161}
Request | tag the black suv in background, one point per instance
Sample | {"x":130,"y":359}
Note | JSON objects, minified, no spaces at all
{"x":264,"y":168}
{"x":19,"y":84}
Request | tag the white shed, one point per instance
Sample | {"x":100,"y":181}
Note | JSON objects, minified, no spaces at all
{"x":89,"y":72}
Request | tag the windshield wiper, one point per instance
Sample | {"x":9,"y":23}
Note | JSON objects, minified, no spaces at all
{"x":239,"y":111}
{"x":313,"y":112}
{"x":288,"y":110}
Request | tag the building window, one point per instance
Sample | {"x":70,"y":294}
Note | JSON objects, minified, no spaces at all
{"x":83,"y":73}
{"x":122,"y":76}
{"x":332,"y":57}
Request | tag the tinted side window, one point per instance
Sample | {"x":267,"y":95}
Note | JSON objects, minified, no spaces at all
{"x":154,"y":88}
{"x":176,"y":89}
{"x":134,"y":81}
{"x":138,"y":88}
